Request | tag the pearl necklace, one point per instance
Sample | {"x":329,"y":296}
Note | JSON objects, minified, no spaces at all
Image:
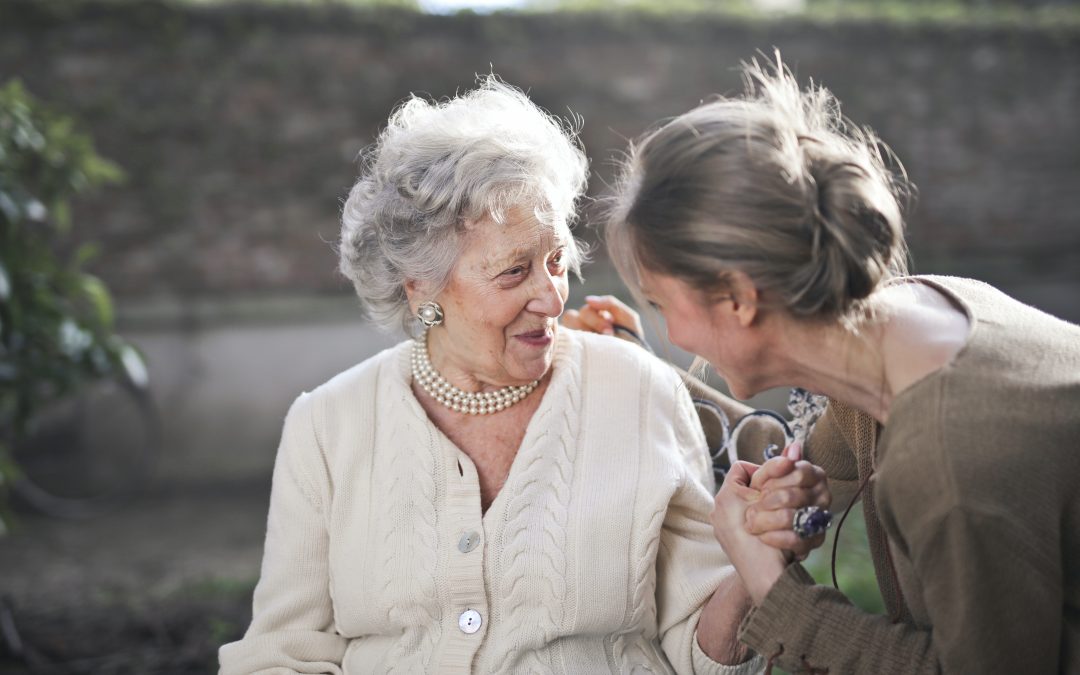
{"x":459,"y":400}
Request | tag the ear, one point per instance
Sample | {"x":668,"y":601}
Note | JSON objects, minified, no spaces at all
{"x":414,"y":291}
{"x":744,"y":298}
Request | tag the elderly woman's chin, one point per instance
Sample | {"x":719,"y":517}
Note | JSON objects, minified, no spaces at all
{"x":531,"y":352}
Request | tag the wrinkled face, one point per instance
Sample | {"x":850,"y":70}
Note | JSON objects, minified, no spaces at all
{"x":502,"y":302}
{"x":708,"y":327}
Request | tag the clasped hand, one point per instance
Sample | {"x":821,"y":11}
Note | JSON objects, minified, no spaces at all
{"x":754,"y":511}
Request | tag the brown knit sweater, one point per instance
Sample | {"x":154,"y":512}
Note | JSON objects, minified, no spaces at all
{"x":974,"y":495}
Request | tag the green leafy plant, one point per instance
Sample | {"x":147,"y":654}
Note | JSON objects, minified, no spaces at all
{"x":56,"y":320}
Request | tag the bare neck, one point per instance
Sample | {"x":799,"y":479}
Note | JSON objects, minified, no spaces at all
{"x":916,"y":332}
{"x":846,"y":366}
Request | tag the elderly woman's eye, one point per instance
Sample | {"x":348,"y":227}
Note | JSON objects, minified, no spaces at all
{"x":558,"y":259}
{"x":512,"y":277}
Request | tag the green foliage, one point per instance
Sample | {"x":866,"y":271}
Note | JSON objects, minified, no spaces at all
{"x":854,"y":566}
{"x":56,"y":320}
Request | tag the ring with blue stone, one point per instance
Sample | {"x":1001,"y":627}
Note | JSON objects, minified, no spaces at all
{"x":810,"y":521}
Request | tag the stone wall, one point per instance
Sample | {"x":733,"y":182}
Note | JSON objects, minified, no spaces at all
{"x":239,"y":127}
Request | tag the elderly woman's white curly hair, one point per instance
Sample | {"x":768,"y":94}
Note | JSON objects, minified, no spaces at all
{"x":439,"y":166}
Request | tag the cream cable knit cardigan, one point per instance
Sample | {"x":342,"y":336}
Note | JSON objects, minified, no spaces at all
{"x":597,"y":555}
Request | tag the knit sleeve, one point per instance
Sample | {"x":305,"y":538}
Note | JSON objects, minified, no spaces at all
{"x":690,"y":562}
{"x":292,"y":629}
{"x":690,"y":566}
{"x":802,"y":626}
{"x":830,"y":446}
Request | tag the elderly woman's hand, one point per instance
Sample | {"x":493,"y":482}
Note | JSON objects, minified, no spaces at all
{"x":601,"y":313}
{"x":785,"y":484}
{"x":758,"y":564}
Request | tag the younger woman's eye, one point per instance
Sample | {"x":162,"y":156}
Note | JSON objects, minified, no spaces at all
{"x":655,"y":305}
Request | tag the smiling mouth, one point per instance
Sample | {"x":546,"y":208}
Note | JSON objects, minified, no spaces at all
{"x":535,"y":334}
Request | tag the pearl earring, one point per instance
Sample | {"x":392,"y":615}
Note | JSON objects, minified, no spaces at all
{"x":429,"y":313}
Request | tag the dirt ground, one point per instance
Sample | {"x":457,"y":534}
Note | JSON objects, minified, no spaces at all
{"x":153,"y":588}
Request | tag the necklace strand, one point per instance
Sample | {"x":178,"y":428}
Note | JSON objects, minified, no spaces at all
{"x":459,"y":400}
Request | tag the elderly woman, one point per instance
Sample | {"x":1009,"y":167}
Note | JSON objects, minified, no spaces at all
{"x":498,"y":494}
{"x":767,"y":232}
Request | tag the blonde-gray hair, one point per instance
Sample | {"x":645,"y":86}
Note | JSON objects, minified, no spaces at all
{"x":775,"y":184}
{"x":441,"y":165}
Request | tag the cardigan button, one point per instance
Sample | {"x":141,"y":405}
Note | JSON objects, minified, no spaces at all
{"x":469,"y":621}
{"x":468,"y":541}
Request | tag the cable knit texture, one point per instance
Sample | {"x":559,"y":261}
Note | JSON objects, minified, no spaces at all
{"x":596,"y":556}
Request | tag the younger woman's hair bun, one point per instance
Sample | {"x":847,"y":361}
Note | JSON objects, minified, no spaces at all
{"x":776,"y":184}
{"x":856,"y":229}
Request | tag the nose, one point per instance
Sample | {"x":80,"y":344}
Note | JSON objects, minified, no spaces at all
{"x":549,"y":295}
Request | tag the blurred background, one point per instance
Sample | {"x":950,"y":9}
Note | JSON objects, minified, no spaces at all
{"x":233,"y":130}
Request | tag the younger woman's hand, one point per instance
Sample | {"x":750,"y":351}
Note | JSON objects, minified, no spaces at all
{"x":785,"y":484}
{"x":600,"y":314}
